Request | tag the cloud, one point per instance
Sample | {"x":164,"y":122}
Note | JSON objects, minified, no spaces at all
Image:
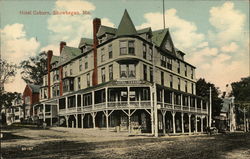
{"x":15,"y":47}
{"x":71,"y":28}
{"x":184,"y":33}
{"x":232,"y":47}
{"x":228,"y":23}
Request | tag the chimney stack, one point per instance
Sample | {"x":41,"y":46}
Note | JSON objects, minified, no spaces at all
{"x":49,"y":57}
{"x":96,"y":26}
{"x":62,"y":44}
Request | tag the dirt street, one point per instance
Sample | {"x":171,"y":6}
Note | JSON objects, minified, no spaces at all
{"x":35,"y":143}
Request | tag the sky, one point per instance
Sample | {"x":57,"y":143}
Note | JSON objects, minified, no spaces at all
{"x":214,"y":34}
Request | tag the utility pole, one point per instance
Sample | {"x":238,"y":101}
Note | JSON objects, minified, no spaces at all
{"x":163,"y":13}
{"x":210,"y":105}
{"x":155,"y":112}
{"x":244,"y":111}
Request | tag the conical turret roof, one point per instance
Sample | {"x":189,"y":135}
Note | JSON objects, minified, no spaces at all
{"x":126,"y":26}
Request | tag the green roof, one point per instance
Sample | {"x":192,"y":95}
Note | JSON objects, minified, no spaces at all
{"x":105,"y":29}
{"x":145,"y":30}
{"x":68,"y":53}
{"x":158,"y":36}
{"x":54,"y":59}
{"x":85,"y":41}
{"x":34,"y":88}
{"x":126,"y":26}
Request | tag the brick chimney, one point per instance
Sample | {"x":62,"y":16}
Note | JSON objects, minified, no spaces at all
{"x":96,"y":26}
{"x":62,"y":44}
{"x":49,"y":57}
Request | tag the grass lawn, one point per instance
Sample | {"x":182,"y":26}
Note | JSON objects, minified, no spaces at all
{"x":31,"y":142}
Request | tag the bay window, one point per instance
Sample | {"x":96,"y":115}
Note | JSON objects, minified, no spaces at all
{"x":127,"y":70}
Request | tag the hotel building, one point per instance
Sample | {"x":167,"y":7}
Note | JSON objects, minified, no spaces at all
{"x":123,"y":78}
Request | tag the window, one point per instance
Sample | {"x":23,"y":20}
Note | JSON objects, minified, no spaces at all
{"x":150,"y":55}
{"x":171,"y":81}
{"x":151,"y":74}
{"x":179,"y":65}
{"x":163,"y":61}
{"x":185,"y":86}
{"x":71,"y":72}
{"x":79,"y":82}
{"x":185,"y":70}
{"x":65,"y":74}
{"x":179,"y":84}
{"x":55,"y":90}
{"x":103,"y":74}
{"x":46,"y":80}
{"x":169,"y":63}
{"x":145,"y":72}
{"x":192,"y":87}
{"x":86,"y":62}
{"x":68,"y":85}
{"x":45,"y":93}
{"x":144,"y":51}
{"x":88,"y":80}
{"x":192,"y":73}
{"x":123,"y":47}
{"x":131,"y":47}
{"x":102,"y":55}
{"x":110,"y":72}
{"x":110,"y":51}
{"x":80,"y":64}
{"x":127,"y":70}
{"x":162,"y":78}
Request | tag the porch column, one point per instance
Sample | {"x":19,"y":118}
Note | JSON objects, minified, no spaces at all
{"x":189,"y":102}
{"x":51,"y":115}
{"x":129,"y":122}
{"x":201,"y":106}
{"x":189,"y":123}
{"x":93,"y":100}
{"x":195,"y":104}
{"x":181,"y":102}
{"x":182,"y":123}
{"x":67,"y":121}
{"x":44,"y":113}
{"x":163,"y":96}
{"x":76,"y":120}
{"x":173,"y":100}
{"x":201,"y":124}
{"x":66,"y":102}
{"x":76,"y":102}
{"x":173,"y":115}
{"x":93,"y":119}
{"x":82,"y":117}
{"x":106,"y":97}
{"x":107,"y":119}
{"x":139,"y":93}
{"x":128,"y":88}
{"x":152,"y":111}
{"x":164,"y":122}
{"x":196,"y":123}
{"x":207,"y":121}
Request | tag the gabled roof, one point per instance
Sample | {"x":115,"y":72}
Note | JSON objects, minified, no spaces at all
{"x":158,"y":36}
{"x":85,"y":41}
{"x":126,"y":26}
{"x":34,"y":88}
{"x":68,"y":53}
{"x":54,"y":59}
{"x":145,"y":30}
{"x":105,"y":29}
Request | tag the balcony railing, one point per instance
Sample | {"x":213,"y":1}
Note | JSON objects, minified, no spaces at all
{"x":131,"y":105}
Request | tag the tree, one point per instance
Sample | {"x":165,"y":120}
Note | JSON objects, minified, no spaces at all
{"x":7,"y":71}
{"x":33,"y":69}
{"x":202,"y":89}
{"x":241,"y":92}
